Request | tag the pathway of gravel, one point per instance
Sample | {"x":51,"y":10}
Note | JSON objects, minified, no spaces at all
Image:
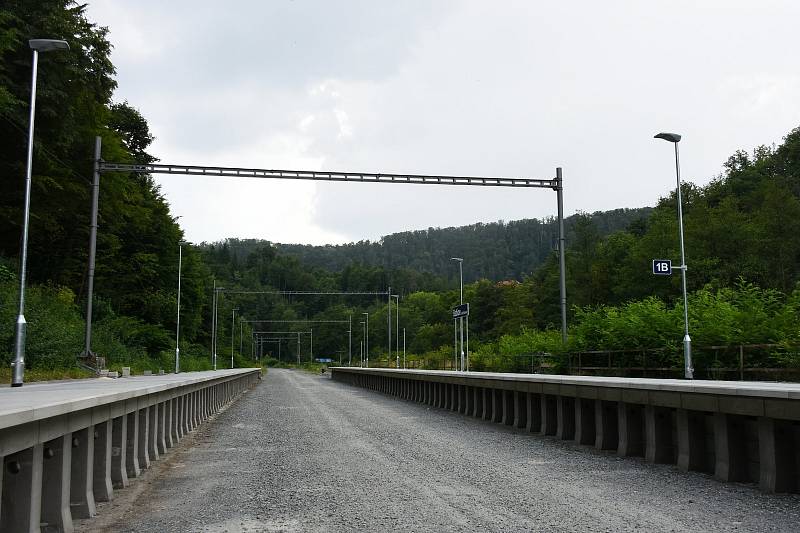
{"x":303,"y":453}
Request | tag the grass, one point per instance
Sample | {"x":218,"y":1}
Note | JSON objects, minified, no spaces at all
{"x":37,"y":374}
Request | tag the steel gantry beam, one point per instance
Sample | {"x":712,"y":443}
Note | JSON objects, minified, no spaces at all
{"x":304,"y":293}
{"x":357,"y":177}
{"x":555,"y":184}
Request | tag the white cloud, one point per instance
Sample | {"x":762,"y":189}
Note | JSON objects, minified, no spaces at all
{"x":472,"y":87}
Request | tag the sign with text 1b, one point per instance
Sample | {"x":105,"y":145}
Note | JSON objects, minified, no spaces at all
{"x":662,"y":267}
{"x":461,"y":310}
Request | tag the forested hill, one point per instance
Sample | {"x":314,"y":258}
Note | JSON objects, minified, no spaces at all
{"x":495,"y":251}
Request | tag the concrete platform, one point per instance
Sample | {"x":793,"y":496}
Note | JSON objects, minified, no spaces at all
{"x":738,"y":431}
{"x":67,"y":444}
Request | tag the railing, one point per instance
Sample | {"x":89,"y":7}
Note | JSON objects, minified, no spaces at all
{"x":755,"y":362}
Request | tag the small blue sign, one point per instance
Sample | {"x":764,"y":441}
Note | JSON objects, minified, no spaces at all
{"x":662,"y":267}
{"x":324,"y":360}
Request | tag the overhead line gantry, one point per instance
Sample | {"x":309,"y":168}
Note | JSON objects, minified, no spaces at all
{"x":101,"y":166}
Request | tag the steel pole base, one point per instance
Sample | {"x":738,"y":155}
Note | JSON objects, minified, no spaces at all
{"x":18,"y":365}
{"x":687,"y":358}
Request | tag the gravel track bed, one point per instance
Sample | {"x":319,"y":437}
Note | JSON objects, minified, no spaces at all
{"x":300,"y":452}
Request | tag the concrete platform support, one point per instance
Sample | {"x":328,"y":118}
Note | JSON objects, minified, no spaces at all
{"x":21,"y":504}
{"x":186,"y":413}
{"x":102,"y":487}
{"x":659,"y":435}
{"x":55,"y":514}
{"x":144,"y":438}
{"x":497,"y":405}
{"x":534,"y":422}
{"x":488,"y":403}
{"x":508,"y":407}
{"x":132,"y":445}
{"x":119,"y":452}
{"x":152,"y":437}
{"x":606,"y":425}
{"x":177,"y":431}
{"x":81,"y":499}
{"x":584,"y":421}
{"x":196,"y":409}
{"x":520,"y":409}
{"x":630,"y":418}
{"x":549,"y":415}
{"x":729,"y":448}
{"x":169,"y":430}
{"x":565,"y":411}
{"x":477,"y":402}
{"x":690,"y":428}
{"x":777,"y":446}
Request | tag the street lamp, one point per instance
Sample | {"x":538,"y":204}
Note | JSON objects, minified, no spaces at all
{"x":361,"y":344}
{"x":18,"y":366}
{"x":461,"y":291}
{"x":397,"y":329}
{"x":233,"y":328}
{"x":366,"y":337}
{"x":214,"y":323}
{"x":178,"y":321}
{"x":674,"y":138}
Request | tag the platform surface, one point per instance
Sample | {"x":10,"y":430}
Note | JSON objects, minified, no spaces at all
{"x":42,"y":399}
{"x":761,"y":389}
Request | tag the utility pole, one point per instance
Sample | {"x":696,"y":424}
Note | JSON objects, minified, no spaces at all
{"x":404,"y":348}
{"x":349,"y":339}
{"x":389,"y":320}
{"x":233,"y":330}
{"x":214,"y":327}
{"x":366,"y":339}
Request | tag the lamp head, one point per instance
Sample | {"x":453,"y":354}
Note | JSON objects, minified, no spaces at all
{"x":671,"y":137}
{"x":47,"y":45}
{"x":459,"y":259}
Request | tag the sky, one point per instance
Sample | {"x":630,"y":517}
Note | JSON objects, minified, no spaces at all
{"x":501,"y":88}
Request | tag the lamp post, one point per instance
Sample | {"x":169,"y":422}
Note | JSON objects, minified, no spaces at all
{"x":461,"y":298}
{"x":363,"y":338}
{"x":366,"y":338}
{"x":397,"y":329}
{"x":674,"y":138}
{"x":178,"y":320}
{"x":233,"y":328}
{"x":214,"y":323}
{"x":18,"y":366}
{"x":349,"y":339}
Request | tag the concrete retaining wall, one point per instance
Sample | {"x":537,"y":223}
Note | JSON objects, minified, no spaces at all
{"x":736,"y":431}
{"x":68,"y":445}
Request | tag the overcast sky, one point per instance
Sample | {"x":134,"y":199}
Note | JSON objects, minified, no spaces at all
{"x":447,"y":87}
